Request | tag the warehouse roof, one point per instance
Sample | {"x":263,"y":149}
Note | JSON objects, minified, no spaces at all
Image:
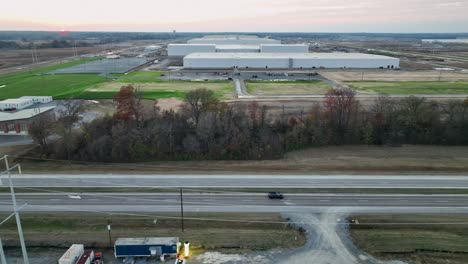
{"x":27,"y":112}
{"x":269,"y":55}
{"x":147,"y":241}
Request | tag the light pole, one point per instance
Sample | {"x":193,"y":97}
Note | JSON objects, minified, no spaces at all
{"x":109,"y":228}
{"x":15,"y":207}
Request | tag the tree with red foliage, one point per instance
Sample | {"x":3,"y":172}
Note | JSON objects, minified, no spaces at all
{"x":128,"y":104}
{"x":340,"y":104}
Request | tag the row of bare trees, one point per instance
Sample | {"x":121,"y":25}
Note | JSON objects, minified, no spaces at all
{"x":206,"y":128}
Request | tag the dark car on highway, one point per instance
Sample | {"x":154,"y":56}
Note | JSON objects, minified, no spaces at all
{"x":275,"y":195}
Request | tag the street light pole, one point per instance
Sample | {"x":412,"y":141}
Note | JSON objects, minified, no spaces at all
{"x":109,"y":229}
{"x":15,"y":209}
{"x":182,"y":209}
{"x":2,"y":254}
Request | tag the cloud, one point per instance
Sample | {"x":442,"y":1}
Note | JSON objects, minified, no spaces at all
{"x":235,"y":15}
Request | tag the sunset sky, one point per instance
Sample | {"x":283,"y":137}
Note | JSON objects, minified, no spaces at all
{"x":237,"y":15}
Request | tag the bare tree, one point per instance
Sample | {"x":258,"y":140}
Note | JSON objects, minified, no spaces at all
{"x":340,"y":104}
{"x":69,"y":115}
{"x":199,"y":101}
{"x":40,"y":130}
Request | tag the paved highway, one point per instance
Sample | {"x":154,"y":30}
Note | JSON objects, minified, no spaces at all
{"x":240,"y":181}
{"x":234,"y":202}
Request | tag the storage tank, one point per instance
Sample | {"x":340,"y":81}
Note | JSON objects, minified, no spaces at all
{"x":72,"y":255}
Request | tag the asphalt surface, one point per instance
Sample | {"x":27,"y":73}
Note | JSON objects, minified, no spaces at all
{"x":239,"y":181}
{"x":234,"y":202}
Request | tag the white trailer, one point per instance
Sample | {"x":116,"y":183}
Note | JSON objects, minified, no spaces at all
{"x":72,"y":255}
{"x":38,"y":99}
{"x":15,"y":104}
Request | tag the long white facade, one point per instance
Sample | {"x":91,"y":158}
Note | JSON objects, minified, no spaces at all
{"x":180,"y":50}
{"x":284,"y":48}
{"x":233,"y":40}
{"x":288,"y":61}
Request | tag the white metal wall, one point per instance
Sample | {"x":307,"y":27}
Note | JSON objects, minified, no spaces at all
{"x":278,"y":48}
{"x":284,"y":63}
{"x":178,"y":50}
{"x":228,"y":41}
{"x":357,"y":63}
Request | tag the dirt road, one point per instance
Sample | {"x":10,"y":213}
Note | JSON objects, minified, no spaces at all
{"x":328,"y":242}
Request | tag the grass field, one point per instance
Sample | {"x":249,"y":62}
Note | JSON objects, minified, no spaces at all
{"x":165,"y":89}
{"x":93,"y":86}
{"x":287,"y":87}
{"x":62,"y":229}
{"x":139,"y":77}
{"x":37,"y":82}
{"x":419,"y":87}
{"x":420,"y":243}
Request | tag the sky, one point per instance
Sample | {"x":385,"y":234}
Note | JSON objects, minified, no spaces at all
{"x":405,"y":16}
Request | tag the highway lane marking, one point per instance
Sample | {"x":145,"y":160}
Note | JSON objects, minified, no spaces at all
{"x":324,"y":200}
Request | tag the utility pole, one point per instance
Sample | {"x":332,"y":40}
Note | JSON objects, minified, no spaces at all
{"x":181,"y":209}
{"x":15,"y":209}
{"x":109,"y":228}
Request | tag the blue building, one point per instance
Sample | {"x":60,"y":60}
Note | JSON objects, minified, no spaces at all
{"x":145,"y":247}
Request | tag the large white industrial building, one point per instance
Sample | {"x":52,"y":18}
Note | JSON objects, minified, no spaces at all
{"x":233,"y":40}
{"x":180,"y":50}
{"x":225,"y":52}
{"x":288,"y":61}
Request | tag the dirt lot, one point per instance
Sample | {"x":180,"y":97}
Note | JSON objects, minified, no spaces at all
{"x":431,"y":239}
{"x":310,"y":87}
{"x":406,"y":159}
{"x":19,"y":57}
{"x":395,"y":75}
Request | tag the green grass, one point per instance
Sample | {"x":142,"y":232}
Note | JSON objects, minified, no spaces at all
{"x":92,"y":86}
{"x":139,"y":77}
{"x":288,"y":87}
{"x":61,"y":229}
{"x":162,"y":89}
{"x":415,"y":87}
{"x":385,"y":235}
{"x":38,"y":82}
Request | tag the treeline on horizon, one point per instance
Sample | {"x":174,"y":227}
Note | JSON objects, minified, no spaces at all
{"x":123,"y":36}
{"x":208,"y":129}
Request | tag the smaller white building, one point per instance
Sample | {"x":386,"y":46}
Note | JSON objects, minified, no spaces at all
{"x":15,"y":104}
{"x":180,"y":50}
{"x":284,"y":48}
{"x":38,"y":99}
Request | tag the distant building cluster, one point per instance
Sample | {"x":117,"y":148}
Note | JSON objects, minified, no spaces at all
{"x":226,"y":52}
{"x":17,"y":114}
